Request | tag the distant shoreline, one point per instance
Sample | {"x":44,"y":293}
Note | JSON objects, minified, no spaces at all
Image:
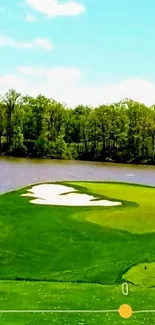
{"x":107,"y":162}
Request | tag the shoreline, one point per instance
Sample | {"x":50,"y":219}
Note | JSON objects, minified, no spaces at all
{"x":97,"y":162}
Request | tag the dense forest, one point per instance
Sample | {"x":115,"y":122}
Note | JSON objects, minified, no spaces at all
{"x":43,"y":127}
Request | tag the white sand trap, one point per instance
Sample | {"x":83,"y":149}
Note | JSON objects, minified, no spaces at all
{"x":51,"y":194}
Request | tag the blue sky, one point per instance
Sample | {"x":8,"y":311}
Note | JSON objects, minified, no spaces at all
{"x":106,"y":49}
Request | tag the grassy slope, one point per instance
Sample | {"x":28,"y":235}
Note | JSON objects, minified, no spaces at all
{"x":51,"y":243}
{"x":141,"y":275}
{"x":136,"y":219}
{"x":59,"y":244}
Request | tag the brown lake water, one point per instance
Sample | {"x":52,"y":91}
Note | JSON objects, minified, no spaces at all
{"x":20,"y":172}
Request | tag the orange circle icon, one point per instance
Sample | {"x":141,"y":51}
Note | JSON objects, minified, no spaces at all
{"x":125,"y":311}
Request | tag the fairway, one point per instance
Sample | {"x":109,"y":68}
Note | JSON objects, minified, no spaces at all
{"x":68,"y":257}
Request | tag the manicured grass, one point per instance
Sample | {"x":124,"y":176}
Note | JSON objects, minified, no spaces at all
{"x":75,"y":319}
{"x":137,"y":217}
{"x":47,"y":296}
{"x":142,"y":275}
{"x":61,"y":244}
{"x":87,"y":245}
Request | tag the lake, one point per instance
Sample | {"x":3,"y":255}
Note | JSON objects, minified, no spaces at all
{"x":19,"y":172}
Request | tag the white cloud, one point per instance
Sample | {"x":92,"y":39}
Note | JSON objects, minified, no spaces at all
{"x":29,"y":71}
{"x":65,"y":87}
{"x":52,"y":8}
{"x":63,"y":73}
{"x":43,"y":43}
{"x":58,"y":73}
{"x":30,"y":18}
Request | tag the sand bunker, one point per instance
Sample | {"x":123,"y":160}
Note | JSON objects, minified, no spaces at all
{"x":51,"y":194}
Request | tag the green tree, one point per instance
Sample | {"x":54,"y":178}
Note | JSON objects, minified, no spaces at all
{"x":2,"y":125}
{"x":60,"y":147}
{"x":18,"y":147}
{"x":10,"y":101}
{"x":39,"y":126}
{"x":55,"y":120}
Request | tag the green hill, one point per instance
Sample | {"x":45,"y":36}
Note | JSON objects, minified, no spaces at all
{"x":75,"y":254}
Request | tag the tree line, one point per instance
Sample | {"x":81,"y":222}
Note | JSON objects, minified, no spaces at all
{"x":42,"y":127}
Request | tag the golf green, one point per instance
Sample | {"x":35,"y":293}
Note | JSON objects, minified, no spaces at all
{"x":77,"y":257}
